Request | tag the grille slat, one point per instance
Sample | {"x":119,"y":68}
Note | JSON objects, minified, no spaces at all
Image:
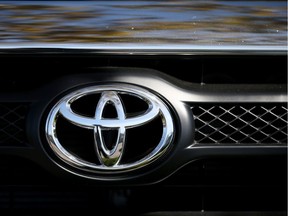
{"x":240,"y":123}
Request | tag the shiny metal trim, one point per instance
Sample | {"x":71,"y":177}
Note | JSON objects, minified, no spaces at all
{"x":141,"y":49}
{"x":110,"y":159}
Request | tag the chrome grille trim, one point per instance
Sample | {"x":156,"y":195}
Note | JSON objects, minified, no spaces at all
{"x":140,"y":49}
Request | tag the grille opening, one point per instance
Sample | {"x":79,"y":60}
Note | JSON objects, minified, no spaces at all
{"x":240,"y":123}
{"x":235,"y":183}
{"x":218,"y":184}
{"x":193,"y":69}
{"x":18,"y":171}
{"x":12,"y":124}
{"x":233,"y":171}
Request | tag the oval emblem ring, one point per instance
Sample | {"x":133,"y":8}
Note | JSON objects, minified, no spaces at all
{"x":109,"y":158}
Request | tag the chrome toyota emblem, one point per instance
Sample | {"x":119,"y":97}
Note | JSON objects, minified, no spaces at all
{"x":109,"y":157}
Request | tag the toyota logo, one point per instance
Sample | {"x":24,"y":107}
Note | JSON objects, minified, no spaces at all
{"x":109,"y":157}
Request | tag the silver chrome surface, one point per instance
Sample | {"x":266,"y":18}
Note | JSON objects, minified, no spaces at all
{"x":140,"y":49}
{"x":109,"y":159}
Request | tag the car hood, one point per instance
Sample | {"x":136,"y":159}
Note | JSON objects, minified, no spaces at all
{"x":145,"y":25}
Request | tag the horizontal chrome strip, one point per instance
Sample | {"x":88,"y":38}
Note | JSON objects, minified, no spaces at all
{"x":236,"y":146}
{"x":140,"y":49}
{"x":240,"y":97}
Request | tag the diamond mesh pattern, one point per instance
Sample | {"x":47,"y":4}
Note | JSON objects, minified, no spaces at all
{"x":12,"y":124}
{"x":240,"y":123}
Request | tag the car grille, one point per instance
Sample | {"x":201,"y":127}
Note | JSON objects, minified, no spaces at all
{"x":219,"y":179}
{"x":240,"y":123}
{"x":12,"y":124}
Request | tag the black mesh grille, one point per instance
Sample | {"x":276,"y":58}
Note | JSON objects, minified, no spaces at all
{"x":240,"y":123}
{"x":12,"y":124}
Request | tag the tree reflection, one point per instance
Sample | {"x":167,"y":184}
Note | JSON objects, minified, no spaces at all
{"x":152,"y":22}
